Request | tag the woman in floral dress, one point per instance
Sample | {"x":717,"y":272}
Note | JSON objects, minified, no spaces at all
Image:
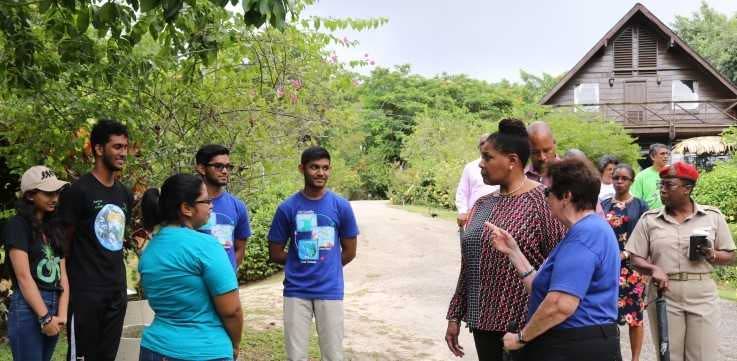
{"x":622,"y":212}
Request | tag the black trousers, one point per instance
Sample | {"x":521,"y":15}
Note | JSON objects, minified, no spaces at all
{"x":95,"y":324}
{"x":592,"y":343}
{"x":489,"y":344}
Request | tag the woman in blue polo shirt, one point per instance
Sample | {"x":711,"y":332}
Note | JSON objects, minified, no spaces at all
{"x":572,"y":312}
{"x":187,"y":278}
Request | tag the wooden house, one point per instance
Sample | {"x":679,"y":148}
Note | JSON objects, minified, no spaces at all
{"x":642,"y":75}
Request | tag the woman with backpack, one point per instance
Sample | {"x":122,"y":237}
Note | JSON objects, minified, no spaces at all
{"x":40,"y":294}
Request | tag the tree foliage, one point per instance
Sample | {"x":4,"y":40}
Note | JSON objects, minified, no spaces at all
{"x":713,"y":35}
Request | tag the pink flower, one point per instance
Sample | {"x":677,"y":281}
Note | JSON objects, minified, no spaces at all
{"x":293,"y":98}
{"x":371,"y":62}
{"x":279,"y":92}
{"x":296,"y":84}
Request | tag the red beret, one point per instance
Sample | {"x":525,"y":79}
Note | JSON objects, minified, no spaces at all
{"x":680,"y":170}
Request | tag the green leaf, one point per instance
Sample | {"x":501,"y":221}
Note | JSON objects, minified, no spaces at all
{"x":155,"y":28}
{"x":171,"y":9}
{"x":69,"y":4}
{"x":148,"y":5}
{"x":278,"y":13}
{"x":44,"y":5}
{"x":83,"y":19}
{"x":108,"y":13}
{"x":254,"y":18}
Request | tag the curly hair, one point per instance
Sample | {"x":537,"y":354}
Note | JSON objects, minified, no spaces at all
{"x":578,"y":177}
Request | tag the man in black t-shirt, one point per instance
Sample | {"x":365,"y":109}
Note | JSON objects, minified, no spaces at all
{"x":95,"y":209}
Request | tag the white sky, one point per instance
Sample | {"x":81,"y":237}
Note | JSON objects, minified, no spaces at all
{"x":492,"y":39}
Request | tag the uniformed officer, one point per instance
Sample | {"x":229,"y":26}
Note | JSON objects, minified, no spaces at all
{"x":659,"y":246}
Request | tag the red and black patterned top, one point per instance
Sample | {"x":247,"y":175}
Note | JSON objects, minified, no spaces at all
{"x":490,"y":294}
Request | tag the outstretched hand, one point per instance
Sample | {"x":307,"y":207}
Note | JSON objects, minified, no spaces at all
{"x":501,"y":239}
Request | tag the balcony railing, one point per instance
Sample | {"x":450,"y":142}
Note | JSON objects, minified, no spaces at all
{"x":714,"y":112}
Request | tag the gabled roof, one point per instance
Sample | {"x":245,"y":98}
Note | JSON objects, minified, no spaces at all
{"x":609,"y":37}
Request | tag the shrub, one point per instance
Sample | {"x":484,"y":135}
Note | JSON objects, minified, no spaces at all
{"x":718,"y":188}
{"x":593,"y":135}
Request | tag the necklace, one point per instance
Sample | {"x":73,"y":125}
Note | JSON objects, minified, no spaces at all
{"x":512,"y":191}
{"x":624,"y":201}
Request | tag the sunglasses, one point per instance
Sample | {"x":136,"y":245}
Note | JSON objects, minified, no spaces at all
{"x":668,"y":184}
{"x":220,"y":166}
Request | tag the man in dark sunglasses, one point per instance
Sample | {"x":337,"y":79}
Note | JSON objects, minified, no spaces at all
{"x":229,"y":218}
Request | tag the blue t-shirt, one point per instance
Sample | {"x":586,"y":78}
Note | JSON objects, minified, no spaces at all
{"x":314,"y":269}
{"x":585,"y":264}
{"x":181,"y":271}
{"x":228,"y":223}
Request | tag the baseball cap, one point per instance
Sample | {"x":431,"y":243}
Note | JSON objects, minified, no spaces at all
{"x":41,"y":178}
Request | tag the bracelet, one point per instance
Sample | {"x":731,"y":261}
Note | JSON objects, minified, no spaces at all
{"x":453,"y":320}
{"x":520,"y":340}
{"x":45,"y":320}
{"x":524,"y":275}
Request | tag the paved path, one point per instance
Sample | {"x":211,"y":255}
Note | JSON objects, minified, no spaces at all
{"x":398,"y":288}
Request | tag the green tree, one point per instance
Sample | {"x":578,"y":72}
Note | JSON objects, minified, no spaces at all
{"x":713,"y":35}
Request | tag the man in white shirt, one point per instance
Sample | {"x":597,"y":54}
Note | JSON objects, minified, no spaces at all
{"x":471,"y":187}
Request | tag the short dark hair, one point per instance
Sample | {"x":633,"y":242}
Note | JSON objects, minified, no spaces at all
{"x":654,"y":148}
{"x":104,"y":128}
{"x":209,"y":151}
{"x":626,"y":167}
{"x":580,"y":178}
{"x":314,"y":153}
{"x":606,"y":160}
{"x":163,"y":207}
{"x":511,"y":139}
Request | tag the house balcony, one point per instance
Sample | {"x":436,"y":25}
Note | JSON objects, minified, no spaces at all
{"x":683,"y":119}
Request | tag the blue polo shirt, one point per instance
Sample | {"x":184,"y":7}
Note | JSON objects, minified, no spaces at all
{"x":585,"y":264}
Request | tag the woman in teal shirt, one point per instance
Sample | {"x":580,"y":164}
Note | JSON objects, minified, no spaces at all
{"x":187,"y":279}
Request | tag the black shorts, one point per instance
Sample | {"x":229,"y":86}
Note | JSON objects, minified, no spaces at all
{"x":95,"y":324}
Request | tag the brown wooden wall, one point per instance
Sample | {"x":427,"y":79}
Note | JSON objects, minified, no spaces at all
{"x":673,"y":64}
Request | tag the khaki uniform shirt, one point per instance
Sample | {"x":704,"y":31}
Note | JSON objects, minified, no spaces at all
{"x":659,"y":237}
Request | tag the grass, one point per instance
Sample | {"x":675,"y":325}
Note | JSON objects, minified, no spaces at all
{"x":442,"y":213}
{"x":256,"y":345}
{"x":727,"y":293}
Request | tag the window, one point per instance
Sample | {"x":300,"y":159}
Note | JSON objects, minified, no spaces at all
{"x":685,"y":90}
{"x":587,"y":93}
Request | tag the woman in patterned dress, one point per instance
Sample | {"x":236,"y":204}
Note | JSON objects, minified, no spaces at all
{"x":489,"y":296}
{"x":622,"y":212}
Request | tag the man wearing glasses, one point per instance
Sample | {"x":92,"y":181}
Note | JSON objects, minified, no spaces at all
{"x":679,"y":245}
{"x":229,"y":218}
{"x":645,"y":186}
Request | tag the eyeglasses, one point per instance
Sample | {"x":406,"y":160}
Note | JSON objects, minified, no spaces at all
{"x":204,"y":201}
{"x":220,"y":166}
{"x":668,"y":184}
{"x":618,"y":178}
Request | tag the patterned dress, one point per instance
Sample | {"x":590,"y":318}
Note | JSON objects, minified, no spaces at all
{"x":623,"y":217}
{"x":490,"y":295}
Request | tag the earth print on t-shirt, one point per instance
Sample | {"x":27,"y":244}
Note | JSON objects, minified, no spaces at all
{"x":221,"y":227}
{"x":110,"y":227}
{"x":311,"y":237}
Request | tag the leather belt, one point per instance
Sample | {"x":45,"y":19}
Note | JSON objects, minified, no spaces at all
{"x":687,"y":276}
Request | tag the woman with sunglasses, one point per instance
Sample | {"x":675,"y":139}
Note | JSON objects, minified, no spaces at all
{"x":572,"y":312}
{"x":187,"y":278}
{"x":40,"y":297}
{"x":489,"y":296}
{"x":623,"y":210}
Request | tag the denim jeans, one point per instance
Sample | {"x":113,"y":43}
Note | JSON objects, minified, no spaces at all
{"x":27,"y":343}
{"x":148,"y":355}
